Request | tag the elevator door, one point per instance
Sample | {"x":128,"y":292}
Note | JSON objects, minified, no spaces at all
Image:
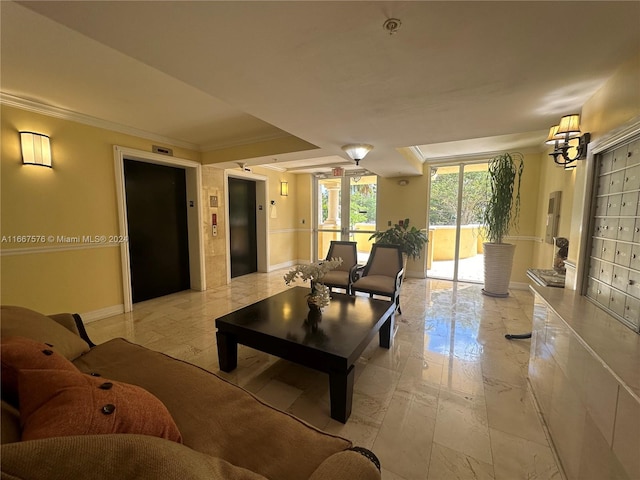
{"x":157,"y":222}
{"x":243,"y":243}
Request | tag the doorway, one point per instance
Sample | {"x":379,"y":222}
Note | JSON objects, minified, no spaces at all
{"x":157,"y":225}
{"x":243,"y":243}
{"x":346,"y":211}
{"x":456,"y":203}
{"x":193,"y":180}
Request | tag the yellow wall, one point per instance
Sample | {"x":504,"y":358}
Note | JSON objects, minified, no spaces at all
{"x":616,"y":104}
{"x":443,"y":242}
{"x":524,"y":237}
{"x":552,"y":178}
{"x":76,"y":197}
{"x":397,"y":202}
{"x":282,"y":224}
{"x":303,"y":195}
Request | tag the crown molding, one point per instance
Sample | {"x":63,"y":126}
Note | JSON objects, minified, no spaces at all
{"x":412,"y":153}
{"x":57,"y":112}
{"x":271,"y":166}
{"x":478,"y":157}
{"x":619,"y":135}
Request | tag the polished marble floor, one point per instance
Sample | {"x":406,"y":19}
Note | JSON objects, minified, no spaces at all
{"x":449,"y":400}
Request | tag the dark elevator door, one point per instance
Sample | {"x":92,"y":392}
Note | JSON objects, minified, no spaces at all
{"x":242,"y":227}
{"x":158,"y":236}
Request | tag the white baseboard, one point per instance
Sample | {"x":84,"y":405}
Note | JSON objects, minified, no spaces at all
{"x":518,"y":286}
{"x":89,"y":317}
{"x":290,"y":263}
{"x":416,"y":274}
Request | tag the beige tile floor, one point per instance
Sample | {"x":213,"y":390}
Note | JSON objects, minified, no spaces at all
{"x":449,"y":400}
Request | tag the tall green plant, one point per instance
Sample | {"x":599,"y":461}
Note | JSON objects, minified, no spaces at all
{"x":411,"y":240}
{"x":503,"y":207}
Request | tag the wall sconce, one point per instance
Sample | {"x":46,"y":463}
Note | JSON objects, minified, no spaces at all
{"x":284,"y":189}
{"x":560,"y":135}
{"x":357,"y":151}
{"x":36,"y":149}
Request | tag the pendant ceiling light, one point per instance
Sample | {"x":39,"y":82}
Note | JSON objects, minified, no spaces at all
{"x":357,"y":151}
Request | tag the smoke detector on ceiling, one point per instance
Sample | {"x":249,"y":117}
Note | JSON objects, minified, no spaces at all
{"x":392,"y":25}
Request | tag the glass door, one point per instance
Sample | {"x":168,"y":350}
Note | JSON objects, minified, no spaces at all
{"x":363,"y":196}
{"x":456,"y":204}
{"x":329,"y":213}
{"x":346,"y":210}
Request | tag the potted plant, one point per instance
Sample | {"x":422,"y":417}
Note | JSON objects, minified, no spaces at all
{"x":500,"y":215}
{"x":411,"y":240}
{"x":319,"y":296}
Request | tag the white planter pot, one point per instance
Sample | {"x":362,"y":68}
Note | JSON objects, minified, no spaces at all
{"x":498,"y":261}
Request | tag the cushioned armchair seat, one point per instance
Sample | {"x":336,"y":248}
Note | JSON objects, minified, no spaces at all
{"x":343,"y":275}
{"x":337,"y":278}
{"x":382,"y":275}
{"x":377,"y":284}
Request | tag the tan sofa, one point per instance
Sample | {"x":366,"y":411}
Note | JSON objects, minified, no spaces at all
{"x":224,"y":431}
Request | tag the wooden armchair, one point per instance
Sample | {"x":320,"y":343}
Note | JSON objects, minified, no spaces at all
{"x":382,"y":275}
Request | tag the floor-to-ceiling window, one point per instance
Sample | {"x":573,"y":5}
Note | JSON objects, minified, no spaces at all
{"x":346,"y":210}
{"x":456,"y":203}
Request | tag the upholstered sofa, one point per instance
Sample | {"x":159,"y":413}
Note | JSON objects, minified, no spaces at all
{"x":74,"y":410}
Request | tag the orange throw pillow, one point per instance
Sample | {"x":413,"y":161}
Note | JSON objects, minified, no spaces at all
{"x":56,"y":403}
{"x":20,"y":353}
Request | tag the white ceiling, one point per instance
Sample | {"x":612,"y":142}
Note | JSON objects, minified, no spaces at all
{"x":213,"y":75}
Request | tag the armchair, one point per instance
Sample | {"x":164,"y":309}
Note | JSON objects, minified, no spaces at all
{"x":382,"y":275}
{"x":342,"y":276}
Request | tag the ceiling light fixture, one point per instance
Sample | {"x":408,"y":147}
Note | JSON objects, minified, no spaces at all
{"x":560,"y":137}
{"x":357,"y":151}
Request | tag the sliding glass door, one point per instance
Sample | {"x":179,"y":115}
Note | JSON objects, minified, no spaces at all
{"x":456,"y":204}
{"x":346,"y":210}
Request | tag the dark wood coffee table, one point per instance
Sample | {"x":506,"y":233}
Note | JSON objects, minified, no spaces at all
{"x":279,"y":325}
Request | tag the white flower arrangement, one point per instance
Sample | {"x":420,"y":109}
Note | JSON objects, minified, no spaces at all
{"x":315,"y":272}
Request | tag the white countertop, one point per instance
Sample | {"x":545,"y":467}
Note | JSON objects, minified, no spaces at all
{"x":616,"y":345}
